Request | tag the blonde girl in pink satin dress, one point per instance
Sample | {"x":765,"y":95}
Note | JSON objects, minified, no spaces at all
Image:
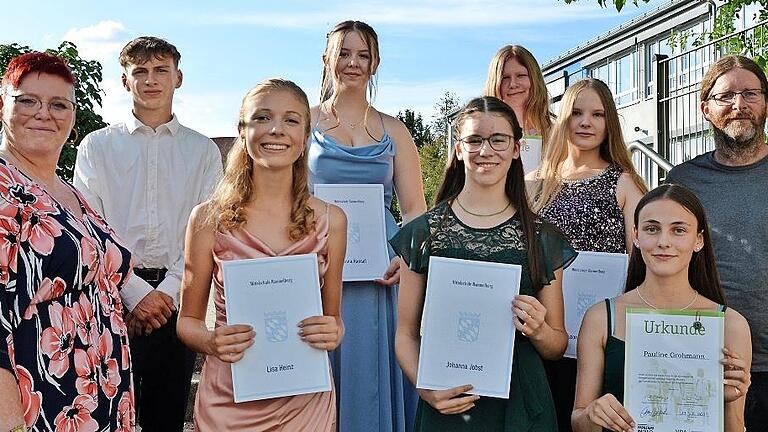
{"x":261,"y":208}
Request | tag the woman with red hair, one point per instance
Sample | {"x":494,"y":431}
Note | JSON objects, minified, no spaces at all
{"x":64,"y":362}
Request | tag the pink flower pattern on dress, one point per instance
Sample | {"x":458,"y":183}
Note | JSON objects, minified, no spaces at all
{"x":48,"y":290}
{"x":58,"y":339}
{"x":87,"y":368}
{"x":30,"y":399}
{"x":77,"y":417}
{"x":126,"y":418}
{"x":60,"y":277}
{"x":40,"y":230}
{"x":85,"y":322}
{"x":10,"y":231}
{"x":109,"y":371}
{"x":22,"y":193}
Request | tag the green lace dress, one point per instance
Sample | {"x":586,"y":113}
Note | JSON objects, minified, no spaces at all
{"x":440,"y":232}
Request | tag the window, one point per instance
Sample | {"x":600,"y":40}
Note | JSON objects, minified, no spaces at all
{"x":651,"y":49}
{"x":687,"y":64}
{"x":621,"y":76}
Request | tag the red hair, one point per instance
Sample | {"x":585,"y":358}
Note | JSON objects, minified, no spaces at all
{"x":25,"y":64}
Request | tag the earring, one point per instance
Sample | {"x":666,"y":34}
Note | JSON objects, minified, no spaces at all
{"x":636,"y":244}
{"x":77,"y":136}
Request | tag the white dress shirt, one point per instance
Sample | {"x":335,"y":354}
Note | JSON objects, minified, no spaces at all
{"x":145,"y":183}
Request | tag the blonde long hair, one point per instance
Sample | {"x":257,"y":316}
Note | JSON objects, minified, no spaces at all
{"x":612,"y":150}
{"x":235,"y":189}
{"x":334,"y":42}
{"x":537,"y":107}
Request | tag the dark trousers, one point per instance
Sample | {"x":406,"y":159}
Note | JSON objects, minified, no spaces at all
{"x":756,"y":410}
{"x":561,"y":375}
{"x":162,"y":373}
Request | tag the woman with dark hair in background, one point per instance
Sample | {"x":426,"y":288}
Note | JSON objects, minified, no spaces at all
{"x":482,"y":213}
{"x":352,"y":142}
{"x":672,"y":266}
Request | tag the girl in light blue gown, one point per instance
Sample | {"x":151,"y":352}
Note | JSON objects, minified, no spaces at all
{"x":351,"y":142}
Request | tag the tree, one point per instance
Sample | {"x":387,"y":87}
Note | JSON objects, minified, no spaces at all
{"x":755,"y":45}
{"x":618,"y":3}
{"x":88,"y":94}
{"x":415,"y":123}
{"x":433,"y":156}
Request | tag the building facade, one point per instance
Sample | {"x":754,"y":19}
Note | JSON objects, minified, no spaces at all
{"x":670,"y":44}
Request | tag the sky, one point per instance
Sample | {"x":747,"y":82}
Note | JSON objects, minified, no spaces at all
{"x":428,"y":47}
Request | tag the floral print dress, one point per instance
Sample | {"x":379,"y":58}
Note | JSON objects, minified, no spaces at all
{"x":62,"y":333}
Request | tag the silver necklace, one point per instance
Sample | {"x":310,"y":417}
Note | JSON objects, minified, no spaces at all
{"x":639,"y":294}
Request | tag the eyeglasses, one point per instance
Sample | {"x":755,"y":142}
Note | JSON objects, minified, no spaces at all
{"x":729,"y":98}
{"x":58,"y":107}
{"x":498,"y":142}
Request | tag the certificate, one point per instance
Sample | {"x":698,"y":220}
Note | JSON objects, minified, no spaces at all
{"x":530,"y":152}
{"x":673,"y":378}
{"x":468,"y":335}
{"x":592,"y":277}
{"x":273,"y":295}
{"x":367,"y":254}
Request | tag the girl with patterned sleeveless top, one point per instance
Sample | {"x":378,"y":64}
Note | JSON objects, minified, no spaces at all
{"x":261,"y":208}
{"x":482,"y":214}
{"x":672,"y":266}
{"x":587,"y":187}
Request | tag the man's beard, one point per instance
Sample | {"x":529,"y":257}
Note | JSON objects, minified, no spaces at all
{"x":739,"y":139}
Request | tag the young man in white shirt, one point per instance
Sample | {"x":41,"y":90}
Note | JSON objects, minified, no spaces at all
{"x":144,"y":176}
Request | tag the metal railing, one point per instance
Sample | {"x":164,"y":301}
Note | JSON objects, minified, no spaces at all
{"x":648,"y":163}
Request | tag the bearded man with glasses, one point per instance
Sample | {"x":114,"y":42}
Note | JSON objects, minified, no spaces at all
{"x":731,"y":183}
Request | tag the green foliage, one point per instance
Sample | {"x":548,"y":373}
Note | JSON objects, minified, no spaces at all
{"x":754,"y":45}
{"x":431,"y":142}
{"x":88,"y":93}
{"x":420,"y":132}
{"x":434,"y":155}
{"x":618,"y":3}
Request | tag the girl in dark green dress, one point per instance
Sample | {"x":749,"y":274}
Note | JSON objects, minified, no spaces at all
{"x":482,"y":214}
{"x":672,"y":266}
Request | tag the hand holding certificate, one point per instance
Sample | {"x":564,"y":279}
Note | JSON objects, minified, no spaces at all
{"x":673,"y":376}
{"x":367,"y":255}
{"x":273,"y":295}
{"x":468,"y":332}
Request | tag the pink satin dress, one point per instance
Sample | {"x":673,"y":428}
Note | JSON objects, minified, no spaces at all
{"x":215,"y":409}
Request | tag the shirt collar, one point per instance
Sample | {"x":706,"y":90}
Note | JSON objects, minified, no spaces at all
{"x":133,"y":124}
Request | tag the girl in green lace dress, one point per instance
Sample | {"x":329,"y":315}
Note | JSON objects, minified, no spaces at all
{"x":482,"y":214}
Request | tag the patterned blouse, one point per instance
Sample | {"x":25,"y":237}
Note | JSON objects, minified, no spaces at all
{"x":62,"y":333}
{"x":588,"y":212}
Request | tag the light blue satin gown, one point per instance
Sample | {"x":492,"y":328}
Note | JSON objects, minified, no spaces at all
{"x":372,"y":392}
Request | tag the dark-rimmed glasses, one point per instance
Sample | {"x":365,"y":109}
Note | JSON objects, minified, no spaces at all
{"x":29,"y":104}
{"x":497,"y":141}
{"x":729,"y":97}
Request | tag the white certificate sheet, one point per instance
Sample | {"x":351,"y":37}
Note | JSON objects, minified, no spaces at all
{"x":673,"y":379}
{"x":273,"y":295}
{"x":593,"y":277}
{"x":530,"y":152}
{"x":367,"y":255}
{"x":468,"y":335}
